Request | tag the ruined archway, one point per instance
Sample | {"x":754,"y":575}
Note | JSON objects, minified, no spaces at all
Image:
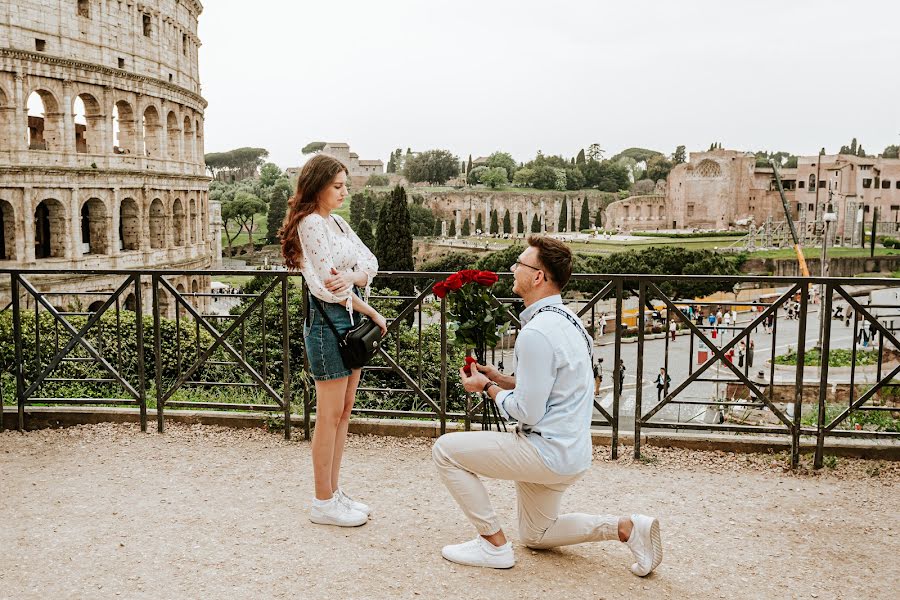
{"x":172,"y":136}
{"x":49,"y":229}
{"x":178,"y":218}
{"x":157,"y":224}
{"x":152,"y":132}
{"x":190,"y":154}
{"x":129,"y":225}
{"x":192,"y":205}
{"x":94,"y":227}
{"x":7,"y":231}
{"x":123,"y":128}
{"x":88,"y":124}
{"x":45,"y":123}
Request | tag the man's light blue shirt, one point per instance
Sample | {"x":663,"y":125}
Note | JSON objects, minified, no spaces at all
{"x":554,"y":393}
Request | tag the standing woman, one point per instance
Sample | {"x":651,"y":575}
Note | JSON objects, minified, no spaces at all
{"x":334,"y":262}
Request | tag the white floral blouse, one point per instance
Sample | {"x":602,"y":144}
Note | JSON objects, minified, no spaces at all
{"x":331,"y":243}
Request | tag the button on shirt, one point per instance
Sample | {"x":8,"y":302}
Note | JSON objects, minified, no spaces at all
{"x":553,"y":397}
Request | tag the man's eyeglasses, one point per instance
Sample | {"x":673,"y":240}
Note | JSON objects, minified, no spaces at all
{"x":519,"y":262}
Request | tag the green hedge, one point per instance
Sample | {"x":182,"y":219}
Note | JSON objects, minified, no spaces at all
{"x":699,"y":234}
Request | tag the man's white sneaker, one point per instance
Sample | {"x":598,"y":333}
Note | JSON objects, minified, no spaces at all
{"x":645,"y":543}
{"x":350,"y":502}
{"x":481,"y":553}
{"x":335,"y":512}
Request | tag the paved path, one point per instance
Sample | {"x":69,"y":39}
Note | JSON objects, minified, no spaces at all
{"x":104,"y":511}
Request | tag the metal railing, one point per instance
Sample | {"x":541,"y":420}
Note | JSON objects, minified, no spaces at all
{"x":185,"y":353}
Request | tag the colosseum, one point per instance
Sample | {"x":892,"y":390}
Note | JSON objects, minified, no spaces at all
{"x":101,"y":144}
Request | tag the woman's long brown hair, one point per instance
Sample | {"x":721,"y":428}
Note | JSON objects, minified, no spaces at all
{"x":316,"y":175}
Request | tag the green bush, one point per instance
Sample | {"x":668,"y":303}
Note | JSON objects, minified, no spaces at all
{"x":836,"y":358}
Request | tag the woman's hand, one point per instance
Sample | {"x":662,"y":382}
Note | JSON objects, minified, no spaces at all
{"x":381,"y":322}
{"x":339,"y":281}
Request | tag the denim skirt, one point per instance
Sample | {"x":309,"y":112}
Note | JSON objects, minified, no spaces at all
{"x":320,"y":342}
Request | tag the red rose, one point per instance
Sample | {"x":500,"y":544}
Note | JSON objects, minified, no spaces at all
{"x":440,"y":289}
{"x":468,"y":275}
{"x":486,"y":278}
{"x":470,"y":360}
{"x":454,"y":282}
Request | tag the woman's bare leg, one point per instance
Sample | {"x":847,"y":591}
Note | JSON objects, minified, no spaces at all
{"x":329,"y":408}
{"x":341,"y":436}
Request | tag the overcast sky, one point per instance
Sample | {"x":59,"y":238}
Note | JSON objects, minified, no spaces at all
{"x":475,"y":77}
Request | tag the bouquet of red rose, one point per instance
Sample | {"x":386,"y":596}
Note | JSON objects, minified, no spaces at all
{"x":478,"y":322}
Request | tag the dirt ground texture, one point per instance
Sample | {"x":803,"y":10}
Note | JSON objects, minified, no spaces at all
{"x":104,"y":511}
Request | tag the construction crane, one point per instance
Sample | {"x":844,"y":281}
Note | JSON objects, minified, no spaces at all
{"x":804,"y":270}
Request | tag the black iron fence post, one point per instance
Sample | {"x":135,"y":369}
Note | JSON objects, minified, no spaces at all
{"x":139,"y":333}
{"x":443,"y":366}
{"x":157,"y":348}
{"x":616,"y":374}
{"x":639,"y":373}
{"x":824,"y":351}
{"x":798,"y":381}
{"x":285,"y":354}
{"x":17,"y":342}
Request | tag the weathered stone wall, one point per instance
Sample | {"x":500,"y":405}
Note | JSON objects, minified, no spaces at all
{"x":126,"y":188}
{"x":839,"y":267}
{"x":468,"y":204}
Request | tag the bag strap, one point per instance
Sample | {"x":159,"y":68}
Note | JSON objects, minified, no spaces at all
{"x":327,"y":320}
{"x":577,"y":325}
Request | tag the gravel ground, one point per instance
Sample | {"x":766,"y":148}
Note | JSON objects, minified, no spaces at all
{"x":103,"y":511}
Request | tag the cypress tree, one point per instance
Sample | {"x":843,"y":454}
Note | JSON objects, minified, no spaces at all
{"x":579,"y":160}
{"x":479,"y":224}
{"x":572,"y":218}
{"x":465,"y":228}
{"x":364,"y":231}
{"x":598,"y":219}
{"x":507,"y":223}
{"x":357,"y":209}
{"x":469,"y":166}
{"x":394,"y":243}
{"x":452,"y":231}
{"x":563,"y":217}
{"x":372,"y":209}
{"x":585,"y":215}
{"x":495,"y":226}
{"x":520,"y":224}
{"x":535,"y":224}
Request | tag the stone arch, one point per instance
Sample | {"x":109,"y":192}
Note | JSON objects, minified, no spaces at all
{"x":7,"y":231}
{"x":163,"y":302}
{"x":130,"y":302}
{"x":195,"y":286}
{"x":6,"y":135}
{"x":190,"y":154}
{"x":89,"y":120}
{"x":709,"y":168}
{"x":157,"y":224}
{"x":123,"y":128}
{"x":152,"y":131}
{"x":172,"y":137}
{"x":129,"y":225}
{"x":94,"y":227}
{"x":198,"y":134}
{"x":95,"y":306}
{"x":50,"y":233}
{"x":192,"y":209}
{"x":178,"y":219}
{"x":45,"y":122}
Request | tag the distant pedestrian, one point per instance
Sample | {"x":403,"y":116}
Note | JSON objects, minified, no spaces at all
{"x":727,"y":319}
{"x":742,"y":352}
{"x":719,"y":317}
{"x":713,"y":319}
{"x":662,"y":383}
{"x":672,"y":329}
{"x":602,"y":324}
{"x":751,"y":349}
{"x":621,"y":376}
{"x":734,"y":316}
{"x":598,"y":378}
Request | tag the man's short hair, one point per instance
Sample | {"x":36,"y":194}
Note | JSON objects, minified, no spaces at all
{"x":555,"y":256}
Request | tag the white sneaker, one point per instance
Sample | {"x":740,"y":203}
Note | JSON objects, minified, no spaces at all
{"x":645,"y":543}
{"x":351,"y":503}
{"x":335,"y":512}
{"x":481,"y":553}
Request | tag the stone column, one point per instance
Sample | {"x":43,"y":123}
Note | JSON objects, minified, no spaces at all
{"x":68,"y":123}
{"x":28,"y":207}
{"x":73,"y":244}
{"x":18,"y":129}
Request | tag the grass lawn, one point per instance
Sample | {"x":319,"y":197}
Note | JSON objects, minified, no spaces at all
{"x":610,"y":246}
{"x":260,"y":232}
{"x":832,"y":253}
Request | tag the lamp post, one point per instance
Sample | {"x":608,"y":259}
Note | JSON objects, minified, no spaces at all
{"x":827,"y":217}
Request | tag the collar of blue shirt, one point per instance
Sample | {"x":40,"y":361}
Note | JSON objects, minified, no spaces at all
{"x":528,"y":313}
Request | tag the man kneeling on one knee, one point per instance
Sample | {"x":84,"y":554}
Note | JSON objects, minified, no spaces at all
{"x":551,"y":399}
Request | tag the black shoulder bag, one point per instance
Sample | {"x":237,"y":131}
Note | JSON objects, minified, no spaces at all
{"x":359,"y":344}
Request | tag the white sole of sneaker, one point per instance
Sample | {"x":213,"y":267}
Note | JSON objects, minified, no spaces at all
{"x":656,"y":544}
{"x":323,"y":520}
{"x":499,"y":565}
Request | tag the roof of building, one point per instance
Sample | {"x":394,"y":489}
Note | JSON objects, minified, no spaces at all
{"x":481,"y":159}
{"x":354,"y":155}
{"x":336,"y":145}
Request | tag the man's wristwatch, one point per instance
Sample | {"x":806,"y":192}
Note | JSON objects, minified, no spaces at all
{"x":487,"y":386}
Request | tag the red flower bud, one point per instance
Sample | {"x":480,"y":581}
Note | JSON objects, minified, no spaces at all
{"x":467,"y":275}
{"x":454,"y":282}
{"x":486,"y":278}
{"x":440,"y":289}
